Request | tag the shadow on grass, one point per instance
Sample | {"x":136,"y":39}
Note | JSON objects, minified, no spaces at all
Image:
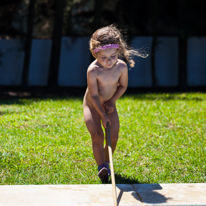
{"x":18,"y":96}
{"x":167,"y":96}
{"x":12,"y":101}
{"x":124,"y":180}
{"x":26,"y":100}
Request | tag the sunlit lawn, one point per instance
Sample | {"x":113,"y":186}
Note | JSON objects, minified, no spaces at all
{"x":162,"y":140}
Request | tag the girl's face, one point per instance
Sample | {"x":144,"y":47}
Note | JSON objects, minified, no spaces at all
{"x":108,"y":57}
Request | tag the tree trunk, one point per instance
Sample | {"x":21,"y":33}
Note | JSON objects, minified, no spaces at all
{"x":97,"y":14}
{"x":182,"y":54}
{"x":56,"y":44}
{"x":154,"y":43}
{"x":28,"y":43}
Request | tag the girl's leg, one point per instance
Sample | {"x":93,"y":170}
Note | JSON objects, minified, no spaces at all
{"x":114,"y":131}
{"x":93,"y":123}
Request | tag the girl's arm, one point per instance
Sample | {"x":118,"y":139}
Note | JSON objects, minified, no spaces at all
{"x":123,"y":82}
{"x":93,"y":90}
{"x":122,"y":86}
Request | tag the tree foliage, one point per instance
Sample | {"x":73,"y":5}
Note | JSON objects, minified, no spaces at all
{"x":82,"y":17}
{"x":53,"y":19}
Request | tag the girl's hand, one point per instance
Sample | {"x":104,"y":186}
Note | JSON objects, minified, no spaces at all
{"x":105,"y":119}
{"x":109,"y":106}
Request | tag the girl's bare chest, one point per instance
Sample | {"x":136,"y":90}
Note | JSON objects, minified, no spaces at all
{"x":109,"y":77}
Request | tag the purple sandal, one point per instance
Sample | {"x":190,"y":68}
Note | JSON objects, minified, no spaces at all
{"x":103,"y":173}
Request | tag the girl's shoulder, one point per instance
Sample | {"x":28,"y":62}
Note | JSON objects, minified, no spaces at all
{"x":93,"y":67}
{"x":121,"y":64}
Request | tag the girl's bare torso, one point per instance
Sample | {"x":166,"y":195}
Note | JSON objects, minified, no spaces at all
{"x":107,"y":81}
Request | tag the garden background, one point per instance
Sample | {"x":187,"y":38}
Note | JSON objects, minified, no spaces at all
{"x":44,"y":56}
{"x":44,"y":44}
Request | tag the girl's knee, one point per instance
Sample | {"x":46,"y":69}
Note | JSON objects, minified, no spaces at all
{"x":114,"y":139}
{"x":97,"y":137}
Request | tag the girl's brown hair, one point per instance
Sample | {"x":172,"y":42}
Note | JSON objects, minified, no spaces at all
{"x":112,"y":35}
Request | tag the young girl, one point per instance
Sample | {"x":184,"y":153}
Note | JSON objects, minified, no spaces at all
{"x":107,"y":79}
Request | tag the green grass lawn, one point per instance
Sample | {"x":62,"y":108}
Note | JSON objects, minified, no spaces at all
{"x":162,"y":140}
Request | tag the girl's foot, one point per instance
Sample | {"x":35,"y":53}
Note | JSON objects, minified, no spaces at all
{"x":108,"y":167}
{"x":103,"y":173}
{"x":109,"y":172}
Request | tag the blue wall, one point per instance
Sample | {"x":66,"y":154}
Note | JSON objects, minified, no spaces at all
{"x":11,"y":61}
{"x":75,"y":59}
{"x":196,"y":61}
{"x":39,"y":62}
